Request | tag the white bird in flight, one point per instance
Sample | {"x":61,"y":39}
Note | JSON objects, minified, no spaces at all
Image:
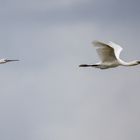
{"x":109,"y":55}
{"x":2,"y":61}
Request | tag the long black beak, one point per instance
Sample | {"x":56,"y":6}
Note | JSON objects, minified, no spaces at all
{"x":8,"y":60}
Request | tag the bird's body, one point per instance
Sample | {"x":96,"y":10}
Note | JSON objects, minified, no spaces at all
{"x":109,"y":55}
{"x":2,"y":61}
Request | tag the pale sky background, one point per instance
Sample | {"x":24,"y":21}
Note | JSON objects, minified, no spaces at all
{"x":46,"y":96}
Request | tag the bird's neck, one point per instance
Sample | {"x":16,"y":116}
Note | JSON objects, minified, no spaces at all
{"x":131,"y":63}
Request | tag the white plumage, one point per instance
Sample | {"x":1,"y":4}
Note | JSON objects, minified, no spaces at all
{"x":109,"y":56}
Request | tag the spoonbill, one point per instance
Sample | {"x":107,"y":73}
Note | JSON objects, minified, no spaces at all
{"x":109,"y":55}
{"x":2,"y":61}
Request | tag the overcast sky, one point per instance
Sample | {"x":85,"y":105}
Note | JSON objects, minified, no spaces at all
{"x":46,"y":96}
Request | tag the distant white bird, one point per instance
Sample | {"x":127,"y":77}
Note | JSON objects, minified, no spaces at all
{"x":109,"y":55}
{"x":2,"y":61}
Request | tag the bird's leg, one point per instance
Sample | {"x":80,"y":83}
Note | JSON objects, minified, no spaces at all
{"x":86,"y":65}
{"x":8,"y":60}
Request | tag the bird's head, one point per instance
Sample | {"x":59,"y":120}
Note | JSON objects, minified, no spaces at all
{"x":135,"y":62}
{"x":138,"y":61}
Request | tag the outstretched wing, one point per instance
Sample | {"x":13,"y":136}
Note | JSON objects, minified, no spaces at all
{"x":106,"y":52}
{"x":117,"y":48}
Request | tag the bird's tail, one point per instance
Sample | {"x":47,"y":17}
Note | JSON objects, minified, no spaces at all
{"x":86,"y":65}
